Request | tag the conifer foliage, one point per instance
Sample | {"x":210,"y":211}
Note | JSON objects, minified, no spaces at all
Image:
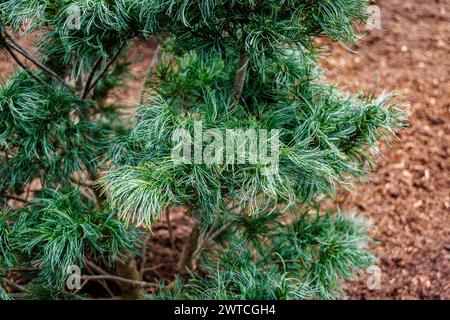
{"x":80,"y":185}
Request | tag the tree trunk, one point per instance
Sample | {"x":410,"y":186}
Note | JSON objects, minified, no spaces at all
{"x":185,"y":264}
{"x":239,"y":81}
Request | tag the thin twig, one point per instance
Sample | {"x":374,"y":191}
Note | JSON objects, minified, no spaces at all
{"x":16,"y":198}
{"x":219,"y":232}
{"x":90,"y":77}
{"x":95,"y":82}
{"x":142,"y":284}
{"x":21,"y":64}
{"x":210,"y":237}
{"x":113,"y":59}
{"x":13,"y":284}
{"x":95,"y":267}
{"x":89,"y":266}
{"x":17,"y":47}
{"x":211,"y":234}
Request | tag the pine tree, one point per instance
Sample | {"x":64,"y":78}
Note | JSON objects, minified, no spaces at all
{"x":222,"y":65}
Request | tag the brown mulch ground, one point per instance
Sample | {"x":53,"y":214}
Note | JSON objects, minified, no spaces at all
{"x":408,"y":194}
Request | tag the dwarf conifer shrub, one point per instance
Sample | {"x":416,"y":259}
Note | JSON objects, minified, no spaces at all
{"x":231,"y":82}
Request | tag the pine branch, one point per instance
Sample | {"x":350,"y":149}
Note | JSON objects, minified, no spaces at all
{"x":95,"y":267}
{"x":20,"y":63}
{"x":106,"y":276}
{"x":103,"y":283}
{"x":211,"y":236}
{"x":87,"y":86}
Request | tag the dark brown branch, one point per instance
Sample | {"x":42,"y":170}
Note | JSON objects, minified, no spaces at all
{"x":239,"y":80}
{"x":102,"y":74}
{"x":16,"y":198}
{"x":212,"y":235}
{"x":21,"y":64}
{"x":17,"y":47}
{"x":114,"y":58}
{"x":95,"y":267}
{"x":12,"y":284}
{"x":90,"y":266}
{"x":90,"y":77}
